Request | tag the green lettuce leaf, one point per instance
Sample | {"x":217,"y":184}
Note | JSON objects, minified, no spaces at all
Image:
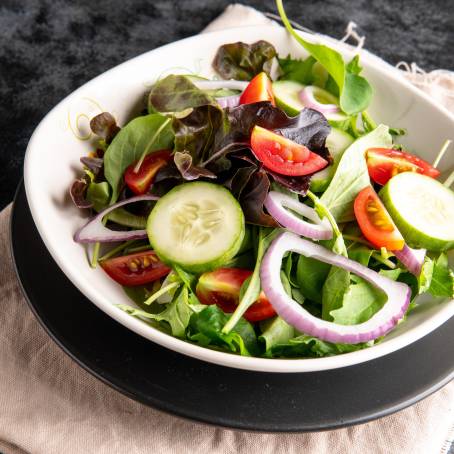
{"x":351,"y":175}
{"x":275,"y":331}
{"x":442,"y":282}
{"x":205,"y":328}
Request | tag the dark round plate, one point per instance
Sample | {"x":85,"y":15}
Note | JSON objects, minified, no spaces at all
{"x":214,"y":394}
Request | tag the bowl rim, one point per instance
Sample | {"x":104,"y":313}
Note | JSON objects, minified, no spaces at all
{"x":277,"y":365}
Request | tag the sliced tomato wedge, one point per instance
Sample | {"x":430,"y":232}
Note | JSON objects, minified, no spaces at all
{"x":135,"y":269}
{"x":283,"y":155}
{"x":140,"y":182}
{"x":222,"y":287}
{"x":384,"y":163}
{"x":375,"y":222}
{"x":258,"y":89}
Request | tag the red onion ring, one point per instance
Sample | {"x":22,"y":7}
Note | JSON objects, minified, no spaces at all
{"x":307,"y":97}
{"x":218,"y":84}
{"x":229,"y":101}
{"x":378,"y":325}
{"x":94,"y":231}
{"x":412,"y":259}
{"x":276,"y":204}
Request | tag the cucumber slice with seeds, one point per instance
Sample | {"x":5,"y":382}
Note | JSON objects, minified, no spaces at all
{"x":199,"y":226}
{"x":423,"y":210}
{"x":286,"y":94}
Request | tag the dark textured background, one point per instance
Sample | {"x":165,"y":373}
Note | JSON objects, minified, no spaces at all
{"x":49,"y":48}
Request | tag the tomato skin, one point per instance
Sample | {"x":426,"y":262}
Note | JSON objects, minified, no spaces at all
{"x":375,"y":222}
{"x":284,"y":156}
{"x":140,"y":182}
{"x":258,"y":89}
{"x":384,"y":163}
{"x":135,"y":269}
{"x":222,"y":287}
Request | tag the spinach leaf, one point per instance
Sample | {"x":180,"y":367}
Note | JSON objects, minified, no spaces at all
{"x":442,"y":283}
{"x":176,"y":314}
{"x":311,"y":275}
{"x":360,"y":253}
{"x":243,"y":61}
{"x":139,"y":294}
{"x":205,"y":328}
{"x":275,"y":331}
{"x":336,"y":285}
{"x":307,"y":346}
{"x":360,"y":302}
{"x":139,"y":136}
{"x":355,"y":92}
{"x":351,"y":175}
{"x":252,"y":292}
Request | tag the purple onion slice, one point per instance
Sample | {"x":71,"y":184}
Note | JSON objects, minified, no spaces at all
{"x":276,"y":204}
{"x":95,"y":231}
{"x":412,"y":259}
{"x":378,"y":325}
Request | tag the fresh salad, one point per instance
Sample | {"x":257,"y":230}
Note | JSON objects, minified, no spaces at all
{"x":265,"y":213}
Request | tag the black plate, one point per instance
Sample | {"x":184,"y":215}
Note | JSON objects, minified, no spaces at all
{"x":213,"y":394}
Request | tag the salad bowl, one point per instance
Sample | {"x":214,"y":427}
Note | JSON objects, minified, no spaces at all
{"x":53,"y":154}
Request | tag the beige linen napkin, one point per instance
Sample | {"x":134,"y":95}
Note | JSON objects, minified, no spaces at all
{"x":49,"y":405}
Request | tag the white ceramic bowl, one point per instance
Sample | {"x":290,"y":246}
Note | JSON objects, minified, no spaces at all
{"x":52,"y":163}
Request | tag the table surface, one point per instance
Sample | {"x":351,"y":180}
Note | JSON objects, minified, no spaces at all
{"x":49,"y":48}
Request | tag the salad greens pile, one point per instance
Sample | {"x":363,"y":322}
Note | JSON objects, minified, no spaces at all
{"x":216,"y":176}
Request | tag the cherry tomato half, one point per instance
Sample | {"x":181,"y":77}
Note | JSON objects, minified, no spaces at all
{"x":135,"y":269}
{"x":222,"y":287}
{"x":283,"y":155}
{"x":258,"y":89}
{"x":140,"y":182}
{"x":375,"y":222}
{"x":384,"y":163}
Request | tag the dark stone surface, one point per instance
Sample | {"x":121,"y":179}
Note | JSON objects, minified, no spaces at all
{"x":49,"y":48}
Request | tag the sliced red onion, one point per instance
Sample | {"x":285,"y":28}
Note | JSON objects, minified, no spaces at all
{"x":218,"y":84}
{"x":378,"y":325}
{"x":229,"y":101}
{"x":412,"y":259}
{"x":94,"y":231}
{"x":276,"y":204}
{"x":307,"y":97}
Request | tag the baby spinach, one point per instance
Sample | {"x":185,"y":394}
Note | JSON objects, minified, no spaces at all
{"x":138,"y":137}
{"x":275,"y":331}
{"x":308,"y":346}
{"x":243,"y":61}
{"x":252,"y":292}
{"x":355,"y":92}
{"x":176,"y":314}
{"x":351,"y":175}
{"x":311,"y":275}
{"x":205,"y":328}
{"x":359,"y":303}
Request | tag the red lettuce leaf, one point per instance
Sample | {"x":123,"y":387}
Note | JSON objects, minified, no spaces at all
{"x":243,"y":61}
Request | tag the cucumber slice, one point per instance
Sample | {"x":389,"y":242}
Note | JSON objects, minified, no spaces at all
{"x":199,"y":226}
{"x":423,"y":210}
{"x":337,"y":142}
{"x":287,"y":98}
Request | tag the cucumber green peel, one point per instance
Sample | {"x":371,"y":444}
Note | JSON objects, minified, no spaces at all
{"x":423,"y":210}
